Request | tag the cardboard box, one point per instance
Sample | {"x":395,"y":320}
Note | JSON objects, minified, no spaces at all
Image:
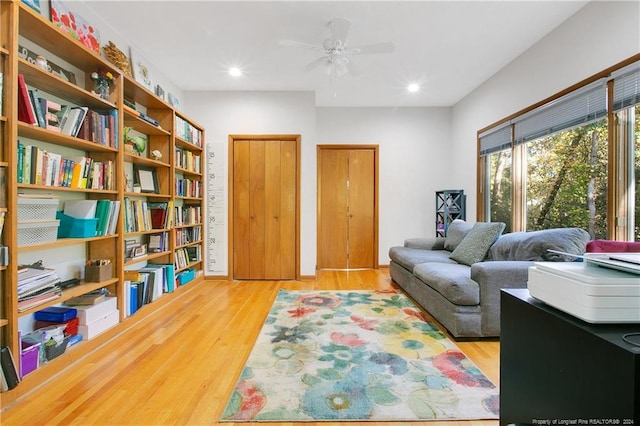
{"x":92,"y":313}
{"x":97,"y":273}
{"x":92,"y":329}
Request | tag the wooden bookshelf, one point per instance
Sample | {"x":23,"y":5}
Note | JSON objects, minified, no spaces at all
{"x":17,"y":22}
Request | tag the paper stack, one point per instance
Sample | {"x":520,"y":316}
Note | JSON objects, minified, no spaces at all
{"x":36,"y":286}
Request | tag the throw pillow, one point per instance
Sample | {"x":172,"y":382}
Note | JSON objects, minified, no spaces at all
{"x":457,"y":230}
{"x":474,"y":247}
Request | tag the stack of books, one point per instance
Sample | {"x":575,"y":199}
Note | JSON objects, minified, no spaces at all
{"x":36,"y":285}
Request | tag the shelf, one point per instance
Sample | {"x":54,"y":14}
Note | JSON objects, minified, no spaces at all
{"x":146,"y":194}
{"x":187,"y":225}
{"x":67,"y":189}
{"x":148,"y":256}
{"x":190,"y":265}
{"x":136,"y":159}
{"x":3,"y":322}
{"x":70,"y":293}
{"x":151,"y":231}
{"x":35,"y":76}
{"x":136,"y":93}
{"x":47,"y":36}
{"x":187,"y":172}
{"x":131,"y":119}
{"x":66,"y":242}
{"x":181,"y":143}
{"x":194,"y":243}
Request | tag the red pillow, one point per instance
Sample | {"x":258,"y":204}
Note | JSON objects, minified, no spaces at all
{"x":610,"y":246}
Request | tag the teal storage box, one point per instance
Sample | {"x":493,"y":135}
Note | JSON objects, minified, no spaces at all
{"x":71,"y":227}
{"x":185,"y":276}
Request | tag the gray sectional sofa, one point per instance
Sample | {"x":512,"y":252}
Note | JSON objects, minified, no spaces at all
{"x":457,"y":279}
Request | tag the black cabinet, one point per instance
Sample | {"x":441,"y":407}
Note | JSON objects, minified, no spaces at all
{"x":450,"y":205}
{"x":555,"y":367}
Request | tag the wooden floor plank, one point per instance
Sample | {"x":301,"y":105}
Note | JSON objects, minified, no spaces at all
{"x":179,"y":366}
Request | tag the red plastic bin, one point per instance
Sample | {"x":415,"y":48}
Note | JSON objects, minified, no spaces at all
{"x":70,"y":330}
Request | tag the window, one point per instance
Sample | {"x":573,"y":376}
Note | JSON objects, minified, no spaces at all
{"x":562,"y":163}
{"x":499,"y":187}
{"x":566,"y":180}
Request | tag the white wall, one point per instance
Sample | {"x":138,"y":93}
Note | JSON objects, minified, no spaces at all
{"x":414,"y":163}
{"x":598,"y":36}
{"x":226,"y":113}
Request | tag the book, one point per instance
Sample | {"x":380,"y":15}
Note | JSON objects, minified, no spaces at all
{"x":26,"y":114}
{"x":86,"y":299}
{"x":51,"y":110}
{"x":9,"y":367}
{"x":35,"y":103}
{"x":71,"y":124}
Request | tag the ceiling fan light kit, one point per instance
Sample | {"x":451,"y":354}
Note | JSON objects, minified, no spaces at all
{"x":336,"y":51}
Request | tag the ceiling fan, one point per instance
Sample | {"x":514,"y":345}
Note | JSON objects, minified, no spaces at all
{"x":336,"y":51}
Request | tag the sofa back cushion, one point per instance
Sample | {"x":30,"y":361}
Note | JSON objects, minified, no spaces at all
{"x":456,"y":231}
{"x":534,"y":245}
{"x":474,"y":246}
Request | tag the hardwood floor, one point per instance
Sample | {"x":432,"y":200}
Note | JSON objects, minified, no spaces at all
{"x":178,"y":366}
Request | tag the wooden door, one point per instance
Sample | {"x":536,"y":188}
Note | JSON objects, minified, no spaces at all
{"x":347,"y":219}
{"x":264,"y":209}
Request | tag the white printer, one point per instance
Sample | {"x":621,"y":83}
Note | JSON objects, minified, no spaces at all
{"x":593,"y":293}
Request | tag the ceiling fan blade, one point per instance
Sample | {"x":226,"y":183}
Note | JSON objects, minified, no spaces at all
{"x":339,"y":29}
{"x":372,"y":48}
{"x":315,"y":63}
{"x":295,"y":43}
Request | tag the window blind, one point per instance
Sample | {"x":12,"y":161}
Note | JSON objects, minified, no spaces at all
{"x":586,"y":104}
{"x":496,"y":139}
{"x":626,"y":87}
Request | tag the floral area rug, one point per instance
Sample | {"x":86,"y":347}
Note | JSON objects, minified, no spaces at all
{"x":356,"y":355}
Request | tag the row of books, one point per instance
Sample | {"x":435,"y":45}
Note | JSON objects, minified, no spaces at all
{"x":185,"y":256}
{"x":40,"y":167}
{"x":141,"y":215}
{"x":188,"y":215}
{"x":99,"y":126}
{"x":188,"y":188}
{"x":187,"y":160}
{"x":137,"y":216}
{"x":186,"y":236}
{"x":186,"y":131}
{"x":107,"y":212}
{"x":145,"y":285}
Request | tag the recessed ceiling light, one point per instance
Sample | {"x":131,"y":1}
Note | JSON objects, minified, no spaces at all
{"x":413,"y":87}
{"x":235,"y":72}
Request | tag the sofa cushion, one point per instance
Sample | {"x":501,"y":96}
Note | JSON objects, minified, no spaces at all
{"x":534,"y":245}
{"x":452,"y":280}
{"x":408,"y":257}
{"x":457,"y":230}
{"x":474,"y":247}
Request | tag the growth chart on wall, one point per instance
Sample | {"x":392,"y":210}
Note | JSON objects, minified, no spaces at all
{"x":215,"y":263}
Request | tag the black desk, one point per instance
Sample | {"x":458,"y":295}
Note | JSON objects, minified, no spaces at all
{"x":555,"y":367}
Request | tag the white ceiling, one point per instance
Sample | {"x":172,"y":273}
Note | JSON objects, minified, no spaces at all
{"x":449,"y":47}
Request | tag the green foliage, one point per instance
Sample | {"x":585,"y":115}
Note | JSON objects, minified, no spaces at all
{"x":567,"y":180}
